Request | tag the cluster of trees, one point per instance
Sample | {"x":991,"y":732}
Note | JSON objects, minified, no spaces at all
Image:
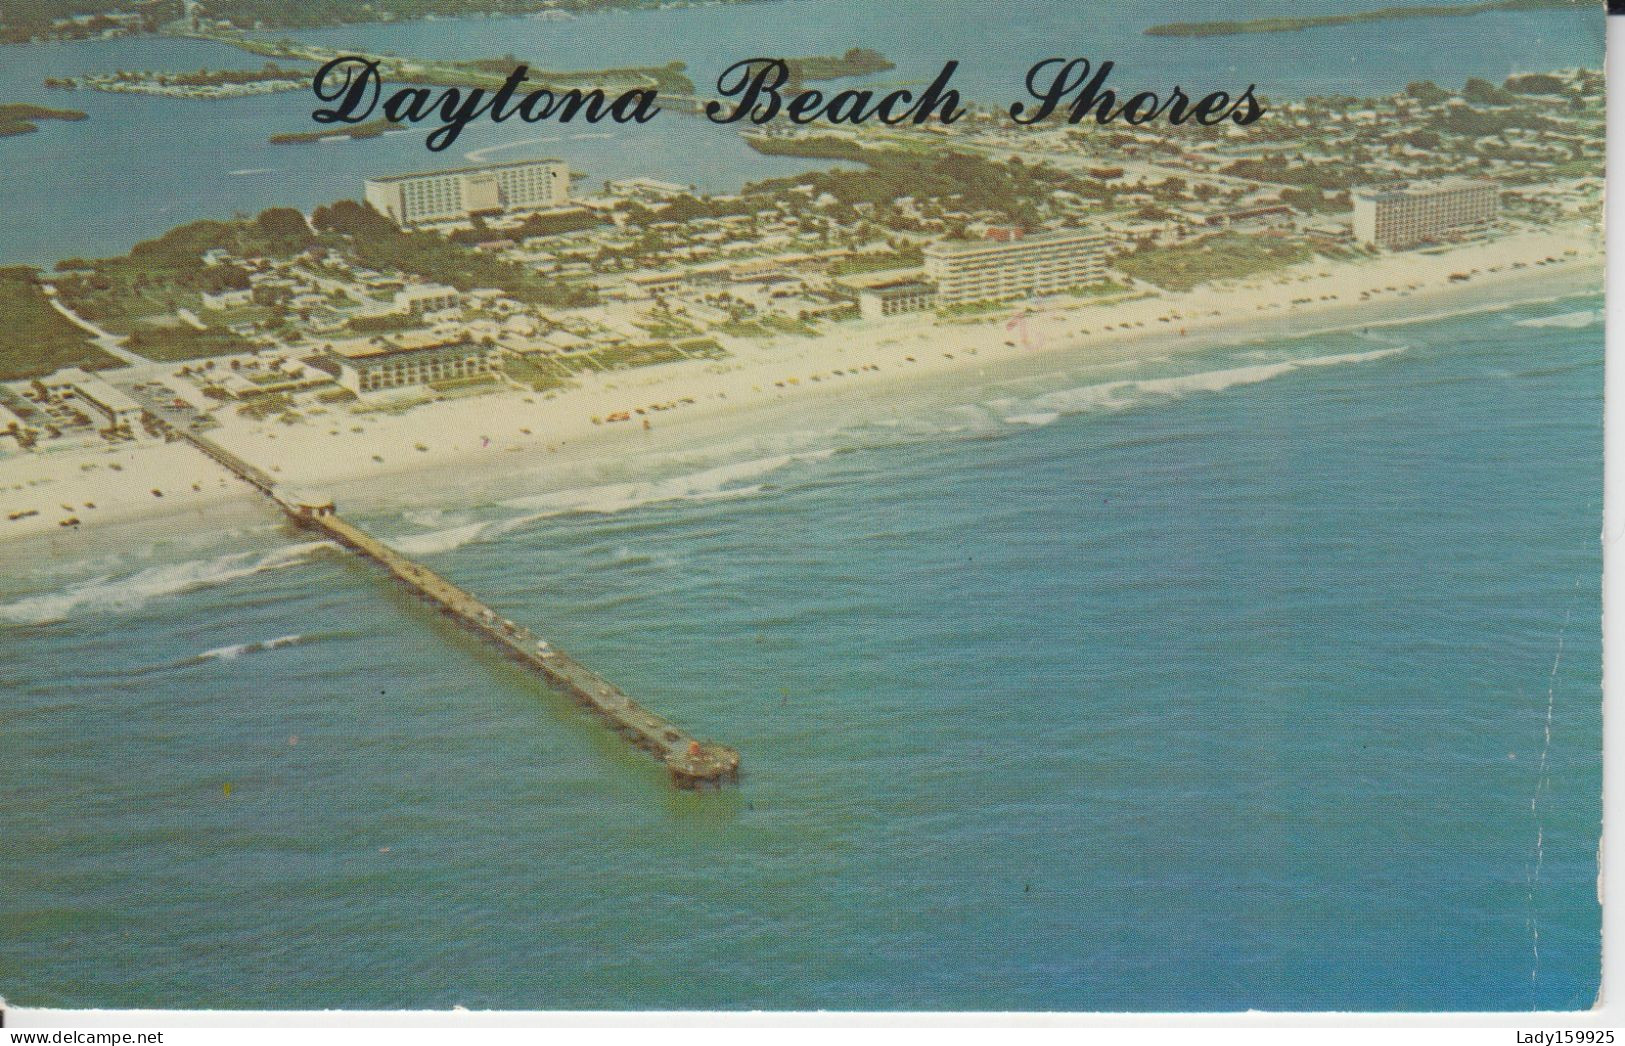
{"x":1478,"y":91}
{"x":20,"y":117}
{"x":373,"y":240}
{"x":533,"y":225}
{"x":169,"y":268}
{"x":1013,"y":189}
{"x":25,"y":20}
{"x":1324,"y":175}
{"x":669,"y":78}
{"x":35,"y":338}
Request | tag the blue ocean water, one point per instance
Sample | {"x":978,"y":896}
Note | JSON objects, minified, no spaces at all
{"x":1268,"y":677}
{"x":139,"y":166}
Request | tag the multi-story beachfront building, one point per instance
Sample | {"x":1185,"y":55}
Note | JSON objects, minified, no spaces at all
{"x":1404,"y":215}
{"x":895,"y":298}
{"x":413,"y":358}
{"x":451,"y":195}
{"x":1014,"y":265}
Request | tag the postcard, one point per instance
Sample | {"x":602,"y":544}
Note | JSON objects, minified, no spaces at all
{"x":800,"y":505}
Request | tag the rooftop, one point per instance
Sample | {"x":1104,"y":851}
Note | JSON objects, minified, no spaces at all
{"x":470,"y":169}
{"x":1053,"y":236}
{"x":1399,"y":190}
{"x":101,"y":392}
{"x":406,"y":341}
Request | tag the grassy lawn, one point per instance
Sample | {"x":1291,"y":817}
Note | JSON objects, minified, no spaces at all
{"x":540,"y":373}
{"x":785,"y":325}
{"x":1228,"y":256}
{"x":35,"y":339}
{"x":184,"y":342}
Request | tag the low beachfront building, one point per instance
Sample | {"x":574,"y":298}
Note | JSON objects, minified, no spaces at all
{"x":896,"y":298}
{"x":421,"y":298}
{"x":117,"y":410}
{"x":459,"y":192}
{"x":392,"y":361}
{"x":1013,"y":265}
{"x":1406,"y":214}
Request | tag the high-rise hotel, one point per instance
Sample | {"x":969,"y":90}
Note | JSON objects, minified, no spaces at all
{"x":1404,"y":215}
{"x":452,"y":195}
{"x":1009,"y":265}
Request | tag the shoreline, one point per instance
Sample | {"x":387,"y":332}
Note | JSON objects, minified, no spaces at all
{"x":470,"y":443}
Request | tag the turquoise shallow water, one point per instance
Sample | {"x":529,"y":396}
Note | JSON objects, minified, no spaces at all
{"x":1221,"y":684}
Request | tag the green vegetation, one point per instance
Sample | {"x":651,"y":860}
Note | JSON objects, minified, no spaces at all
{"x":1099,"y":289}
{"x":138,"y":294}
{"x":1482,"y":92}
{"x":308,"y":14}
{"x":1227,"y":256}
{"x":878,"y":262}
{"x":370,"y":129}
{"x":1381,"y":14}
{"x":390,"y":323}
{"x":977,"y":183}
{"x":668,"y":78}
{"x":538,"y":373}
{"x":25,"y":20}
{"x":184,"y":342}
{"x":649,"y":355}
{"x":543,"y":373}
{"x":20,"y":117}
{"x":1325,"y":175}
{"x":533,"y":225}
{"x":373,"y":241}
{"x":35,"y":338}
{"x":1535,"y":83}
{"x":270,"y":73}
{"x":141,"y":294}
{"x":858,"y":61}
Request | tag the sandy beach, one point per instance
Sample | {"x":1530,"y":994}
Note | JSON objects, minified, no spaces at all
{"x":404,"y":458}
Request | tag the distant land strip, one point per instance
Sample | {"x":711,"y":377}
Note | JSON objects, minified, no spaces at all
{"x":1381,"y":14}
{"x":370,"y":129}
{"x":21,"y":117}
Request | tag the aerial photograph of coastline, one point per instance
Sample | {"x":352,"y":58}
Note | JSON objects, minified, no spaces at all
{"x":1126,"y":549}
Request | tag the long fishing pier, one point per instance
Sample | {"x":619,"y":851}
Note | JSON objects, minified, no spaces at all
{"x":690,"y":762}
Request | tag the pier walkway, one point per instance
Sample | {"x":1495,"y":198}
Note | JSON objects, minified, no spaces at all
{"x":691,"y":763}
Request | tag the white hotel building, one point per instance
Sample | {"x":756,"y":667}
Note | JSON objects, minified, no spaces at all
{"x":1015,"y":266}
{"x":1404,"y":215}
{"x":452,"y":195}
{"x":392,"y":361}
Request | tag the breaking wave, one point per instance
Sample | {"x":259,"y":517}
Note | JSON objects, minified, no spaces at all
{"x":723,"y":483}
{"x":236,"y":650}
{"x":1121,"y":395}
{"x":1570,"y":320}
{"x":1040,"y":419}
{"x":119,"y":595}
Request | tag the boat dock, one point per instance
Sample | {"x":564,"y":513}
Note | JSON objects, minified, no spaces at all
{"x":690,"y":762}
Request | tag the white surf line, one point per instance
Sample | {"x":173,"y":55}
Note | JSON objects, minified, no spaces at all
{"x":478,"y":155}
